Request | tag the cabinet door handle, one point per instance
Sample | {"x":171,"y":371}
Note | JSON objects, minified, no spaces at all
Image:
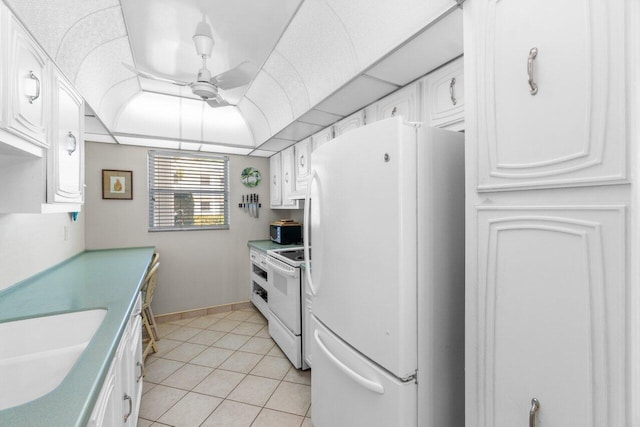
{"x":302,"y":160}
{"x":533,"y":87}
{"x":139,"y":364}
{"x":37,"y":95}
{"x":535,"y":406}
{"x":72,"y":143}
{"x":394,"y":111}
{"x":286,"y":177}
{"x":452,"y":93}
{"x":127,"y":397}
{"x":274,"y":180}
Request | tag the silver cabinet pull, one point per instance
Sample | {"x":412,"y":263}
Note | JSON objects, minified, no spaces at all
{"x":274,"y":180}
{"x":286,"y":177}
{"x":139,"y":364}
{"x":37,"y":95}
{"x":127,"y":397}
{"x":535,"y":406}
{"x":533,"y":87}
{"x":394,"y":111}
{"x":72,"y":143}
{"x":452,"y":93}
{"x":302,"y":160}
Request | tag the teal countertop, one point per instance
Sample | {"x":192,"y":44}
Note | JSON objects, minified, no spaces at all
{"x":266,"y":245}
{"x":108,"y":279}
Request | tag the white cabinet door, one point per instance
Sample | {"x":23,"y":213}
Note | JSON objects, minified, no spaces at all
{"x":106,"y":411}
{"x":66,"y":155}
{"x":568,"y":131}
{"x":443,"y":96}
{"x":549,"y":307}
{"x":322,"y":137}
{"x":302,"y":166}
{"x":288,"y":177}
{"x":28,"y":85}
{"x":275,"y":180}
{"x":403,"y":102}
{"x":351,"y":122}
{"x":133,"y":367}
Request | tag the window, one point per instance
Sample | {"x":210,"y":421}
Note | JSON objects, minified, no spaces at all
{"x":188,"y":191}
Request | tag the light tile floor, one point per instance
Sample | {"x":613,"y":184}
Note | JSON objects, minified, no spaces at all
{"x":223,"y":370}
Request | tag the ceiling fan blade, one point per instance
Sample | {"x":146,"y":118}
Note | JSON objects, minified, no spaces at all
{"x":154,"y":77}
{"x":218,"y":101}
{"x":235,"y":77}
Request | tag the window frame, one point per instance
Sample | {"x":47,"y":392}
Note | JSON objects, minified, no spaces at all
{"x":154,"y":189}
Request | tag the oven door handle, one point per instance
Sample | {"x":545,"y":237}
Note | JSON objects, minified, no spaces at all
{"x":305,"y":237}
{"x":280,"y":270}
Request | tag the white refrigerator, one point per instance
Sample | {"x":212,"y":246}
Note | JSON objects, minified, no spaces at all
{"x":386,"y":215}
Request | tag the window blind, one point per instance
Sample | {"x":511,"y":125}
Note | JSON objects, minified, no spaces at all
{"x":188,"y":191}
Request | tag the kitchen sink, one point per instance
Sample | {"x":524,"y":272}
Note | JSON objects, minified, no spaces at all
{"x":37,"y":354}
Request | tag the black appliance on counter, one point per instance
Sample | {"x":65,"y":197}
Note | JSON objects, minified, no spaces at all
{"x":286,"y":232}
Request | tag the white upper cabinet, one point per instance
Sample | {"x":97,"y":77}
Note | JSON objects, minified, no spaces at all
{"x":28,"y":85}
{"x":443,"y":96}
{"x":288,"y":179}
{"x":354,"y":121}
{"x":65,"y":157}
{"x":25,"y":88}
{"x":320,"y":138}
{"x":550,"y":82}
{"x":282,"y":180}
{"x":302,"y":167}
{"x":275,"y":180}
{"x":403,"y":102}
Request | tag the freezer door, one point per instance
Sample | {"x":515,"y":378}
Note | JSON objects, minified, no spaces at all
{"x":348,"y":390}
{"x":363,"y":226}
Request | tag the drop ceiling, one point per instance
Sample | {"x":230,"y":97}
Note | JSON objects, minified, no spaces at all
{"x":315,"y":61}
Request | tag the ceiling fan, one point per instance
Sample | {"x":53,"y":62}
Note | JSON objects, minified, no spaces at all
{"x":206,"y":86}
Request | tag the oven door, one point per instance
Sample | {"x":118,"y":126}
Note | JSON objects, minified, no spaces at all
{"x":284,"y":293}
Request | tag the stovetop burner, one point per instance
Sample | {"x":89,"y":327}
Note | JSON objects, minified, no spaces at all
{"x":293,"y":256}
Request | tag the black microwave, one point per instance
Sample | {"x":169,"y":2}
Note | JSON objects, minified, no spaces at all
{"x":286,"y":232}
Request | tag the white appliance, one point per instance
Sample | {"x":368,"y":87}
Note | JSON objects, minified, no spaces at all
{"x":285,"y":296}
{"x":387,"y":222}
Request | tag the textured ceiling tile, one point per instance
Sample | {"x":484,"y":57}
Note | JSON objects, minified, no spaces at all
{"x":256,"y":120}
{"x":287,"y":76}
{"x":87,"y":34}
{"x":272,"y":100}
{"x":115,"y":99}
{"x":102,"y":69}
{"x":49,"y":20}
{"x":376,"y":27}
{"x":319,"y":48}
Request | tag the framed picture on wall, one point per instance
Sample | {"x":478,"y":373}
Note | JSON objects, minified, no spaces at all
{"x":117,"y":185}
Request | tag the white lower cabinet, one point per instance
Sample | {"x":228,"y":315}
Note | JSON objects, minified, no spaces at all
{"x":551,"y":301}
{"x":119,"y":401}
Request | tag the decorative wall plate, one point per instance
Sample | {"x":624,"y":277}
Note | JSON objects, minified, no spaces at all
{"x":250,"y":177}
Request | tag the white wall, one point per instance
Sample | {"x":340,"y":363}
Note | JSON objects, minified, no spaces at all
{"x":30,"y":243}
{"x":197,"y":268}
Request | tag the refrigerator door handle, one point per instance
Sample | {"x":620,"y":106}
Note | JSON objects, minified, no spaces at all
{"x":364,"y":382}
{"x":305,"y":238}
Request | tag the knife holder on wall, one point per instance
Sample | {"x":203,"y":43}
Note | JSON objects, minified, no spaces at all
{"x":251,"y":205}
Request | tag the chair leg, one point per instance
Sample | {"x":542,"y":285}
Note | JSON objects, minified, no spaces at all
{"x":152,"y":323}
{"x":151,"y":344}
